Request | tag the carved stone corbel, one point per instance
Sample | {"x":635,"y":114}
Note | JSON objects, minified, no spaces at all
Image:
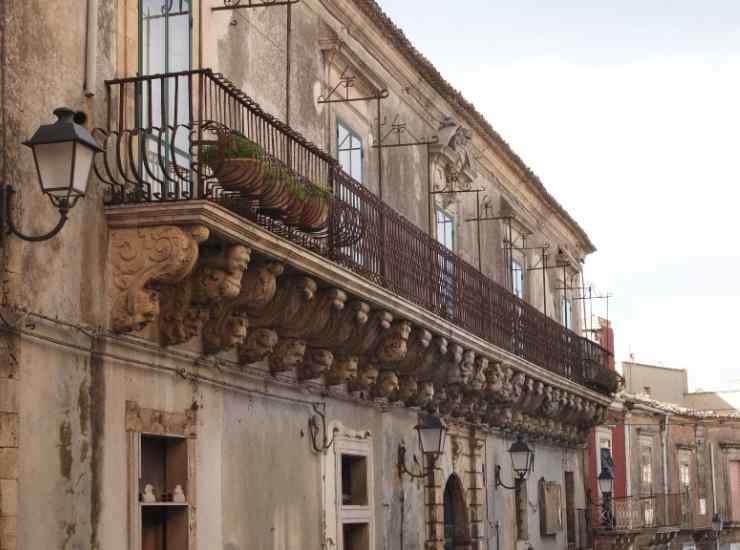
{"x":288,"y":355}
{"x":219,"y":276}
{"x":387,"y":386}
{"x":417,"y":346}
{"x":292,"y":298}
{"x":367,"y":376}
{"x":259,"y":285}
{"x":259,"y":344}
{"x":143,"y":260}
{"x":316,"y":362}
{"x":394,"y":343}
{"x":344,"y":369}
{"x":230,"y":332}
{"x":450,"y":372}
{"x":179,"y":319}
{"x":343,"y":325}
{"x":424,"y":355}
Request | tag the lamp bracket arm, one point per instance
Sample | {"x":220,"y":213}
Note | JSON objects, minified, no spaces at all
{"x":402,"y":469}
{"x":6,"y":193}
{"x":500,"y":483}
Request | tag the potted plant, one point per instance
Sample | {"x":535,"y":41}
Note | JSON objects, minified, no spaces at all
{"x":315,"y":213}
{"x":237,"y":162}
{"x":283,"y":194}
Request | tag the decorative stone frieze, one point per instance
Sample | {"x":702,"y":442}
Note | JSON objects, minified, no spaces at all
{"x":143,"y":260}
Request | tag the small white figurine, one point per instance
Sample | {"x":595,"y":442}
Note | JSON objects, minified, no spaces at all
{"x":178,"y":495}
{"x":149,"y":493}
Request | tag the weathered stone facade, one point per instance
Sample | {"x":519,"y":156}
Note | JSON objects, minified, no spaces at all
{"x":180,"y":325}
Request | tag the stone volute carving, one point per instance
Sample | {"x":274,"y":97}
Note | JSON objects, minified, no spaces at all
{"x":143,"y":260}
{"x":452,"y":157}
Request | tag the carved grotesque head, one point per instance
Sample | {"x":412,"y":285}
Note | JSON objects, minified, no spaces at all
{"x":408,"y":389}
{"x":343,"y":370}
{"x":316,"y":362}
{"x":395,"y":345}
{"x":144,"y":310}
{"x":259,"y":344}
{"x":387,"y":383}
{"x":288,"y":354}
{"x":426,"y":394}
{"x":467,"y":367}
{"x":235,"y":330}
{"x":237,"y":260}
{"x":367,"y":376}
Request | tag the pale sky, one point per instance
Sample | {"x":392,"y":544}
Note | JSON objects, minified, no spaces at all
{"x":629,"y":112}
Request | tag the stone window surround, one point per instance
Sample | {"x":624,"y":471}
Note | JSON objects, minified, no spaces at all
{"x":141,"y":421}
{"x":335,"y":513}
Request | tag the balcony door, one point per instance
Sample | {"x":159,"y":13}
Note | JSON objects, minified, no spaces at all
{"x":165,"y":39}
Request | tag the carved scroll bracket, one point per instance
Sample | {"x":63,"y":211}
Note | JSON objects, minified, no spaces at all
{"x":143,"y":260}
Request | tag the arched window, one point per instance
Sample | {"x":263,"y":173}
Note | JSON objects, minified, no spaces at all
{"x":457,"y":530}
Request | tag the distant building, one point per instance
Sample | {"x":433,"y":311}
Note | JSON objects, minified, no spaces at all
{"x":671,"y":385}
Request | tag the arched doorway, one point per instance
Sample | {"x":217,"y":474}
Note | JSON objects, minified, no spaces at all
{"x":457,"y":530}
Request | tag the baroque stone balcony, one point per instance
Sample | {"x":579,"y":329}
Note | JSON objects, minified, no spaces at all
{"x":287,"y":260}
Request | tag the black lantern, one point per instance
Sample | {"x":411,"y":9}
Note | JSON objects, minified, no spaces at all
{"x":717,"y":524}
{"x":63,"y":153}
{"x":606,"y":481}
{"x":522,"y":461}
{"x":431,"y":430}
{"x":522,"y":457}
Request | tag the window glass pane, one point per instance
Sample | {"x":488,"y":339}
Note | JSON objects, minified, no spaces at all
{"x":349,"y":151}
{"x":517,"y":279}
{"x":356,"y":161}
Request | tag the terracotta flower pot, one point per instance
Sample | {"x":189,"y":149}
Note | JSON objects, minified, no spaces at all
{"x":239,"y":174}
{"x":315,"y":213}
{"x":279,"y":200}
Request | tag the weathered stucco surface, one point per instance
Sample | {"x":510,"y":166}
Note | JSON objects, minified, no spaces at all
{"x":63,"y":440}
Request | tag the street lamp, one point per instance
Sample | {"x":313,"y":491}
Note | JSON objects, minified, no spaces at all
{"x":522,"y":461}
{"x":717,"y":524}
{"x":432,"y":432}
{"x":63,"y":153}
{"x":606,"y":485}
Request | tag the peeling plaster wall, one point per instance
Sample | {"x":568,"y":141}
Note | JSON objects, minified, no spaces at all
{"x":62,"y":427}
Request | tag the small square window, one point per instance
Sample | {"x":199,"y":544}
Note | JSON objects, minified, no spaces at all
{"x":354,"y":480}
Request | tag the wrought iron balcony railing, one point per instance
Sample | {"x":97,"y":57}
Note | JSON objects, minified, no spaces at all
{"x":642,"y":512}
{"x":168,"y":138}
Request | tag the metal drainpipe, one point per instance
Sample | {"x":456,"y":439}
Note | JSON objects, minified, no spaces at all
{"x":91,"y":48}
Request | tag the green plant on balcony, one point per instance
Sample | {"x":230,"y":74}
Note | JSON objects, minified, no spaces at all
{"x":241,"y":165}
{"x":237,"y":162}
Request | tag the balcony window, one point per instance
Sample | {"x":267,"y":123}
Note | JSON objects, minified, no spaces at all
{"x":445,"y":229}
{"x":566,"y":311}
{"x":349,"y":151}
{"x":517,"y":279}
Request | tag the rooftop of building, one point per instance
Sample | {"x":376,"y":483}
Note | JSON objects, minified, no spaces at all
{"x":646,"y":400}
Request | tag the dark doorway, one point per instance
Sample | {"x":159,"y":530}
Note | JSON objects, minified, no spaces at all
{"x":457,"y":530}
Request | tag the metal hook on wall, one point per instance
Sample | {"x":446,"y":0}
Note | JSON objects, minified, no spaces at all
{"x":317,"y":426}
